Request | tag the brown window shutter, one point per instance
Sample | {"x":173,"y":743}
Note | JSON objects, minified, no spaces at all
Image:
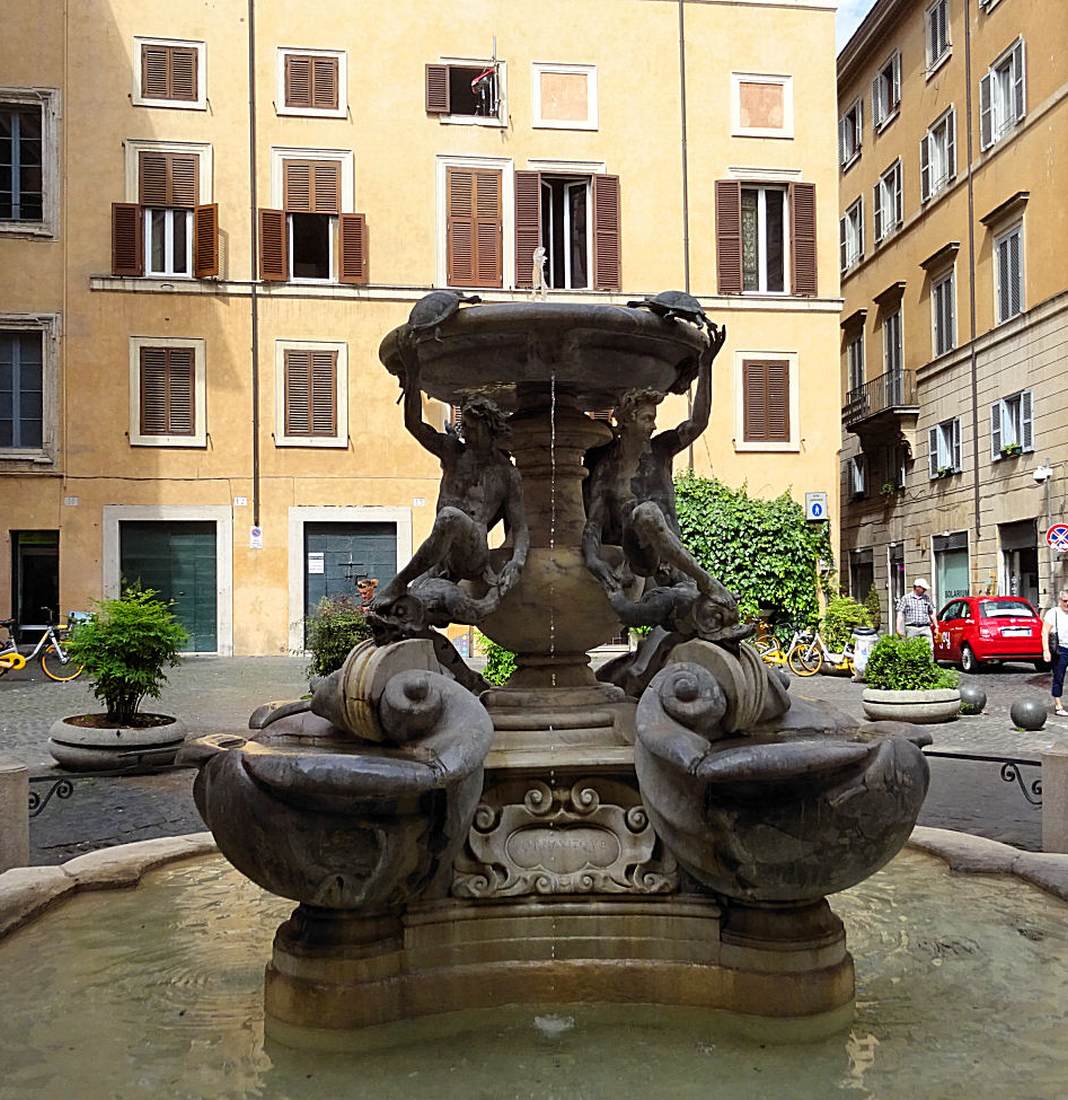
{"x":324,"y":83}
{"x":803,"y":237}
{"x":460,"y":227}
{"x":607,"y":257}
{"x":766,"y":401}
{"x":152,"y":178}
{"x":489,"y":230}
{"x":311,"y":187}
{"x":183,"y":71}
{"x":729,"y":236}
{"x":353,"y":230}
{"x":437,"y":89}
{"x":168,"y":390}
{"x":169,"y":179}
{"x":206,"y":241}
{"x":297,"y":391}
{"x":323,"y":393}
{"x":310,"y":392}
{"x":297,"y":186}
{"x":326,"y":180}
{"x":184,"y":179}
{"x":127,"y":255}
{"x":778,"y":375}
{"x":169,"y":72}
{"x":274,"y":246}
{"x":154,"y":72}
{"x":298,"y":76}
{"x":527,"y":225}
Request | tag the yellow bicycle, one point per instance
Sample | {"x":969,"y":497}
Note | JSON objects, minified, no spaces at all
{"x":55,"y":662}
{"x":808,"y":652}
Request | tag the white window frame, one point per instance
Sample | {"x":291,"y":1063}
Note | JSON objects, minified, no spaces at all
{"x":846,"y":161}
{"x":935,"y":63}
{"x":331,"y":255}
{"x":198,"y":104}
{"x":785,"y":82}
{"x":1003,"y":123}
{"x":1009,"y":413}
{"x":199,"y":438}
{"x":48,"y":100}
{"x":340,"y":438}
{"x":948,"y":279}
{"x":505,"y":166}
{"x":889,"y":366}
{"x":48,"y":325}
{"x":855,"y":367}
{"x":851,"y":235}
{"x":946,"y":453}
{"x":889,"y":190}
{"x":762,"y":188}
{"x":941,"y":137}
{"x":342,"y":108}
{"x":500,"y":120}
{"x":169,"y":213}
{"x":592,"y":109}
{"x":793,"y":444}
{"x":1015,"y":229}
{"x":588,"y":185}
{"x":883,"y":113}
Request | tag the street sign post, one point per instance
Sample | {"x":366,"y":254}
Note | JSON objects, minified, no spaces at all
{"x":1057,"y":538}
{"x":816,"y":506}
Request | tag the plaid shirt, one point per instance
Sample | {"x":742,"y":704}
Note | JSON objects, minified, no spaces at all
{"x":916,"y":609}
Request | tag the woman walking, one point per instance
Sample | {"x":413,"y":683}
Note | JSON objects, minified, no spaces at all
{"x":1055,"y":648}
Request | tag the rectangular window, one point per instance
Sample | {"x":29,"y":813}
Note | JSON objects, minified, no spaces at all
{"x":466,"y":91}
{"x":565,"y":231}
{"x":168,"y":391}
{"x":474,"y":227}
{"x":893,"y":359}
{"x":943,"y":314}
{"x":21,"y":163}
{"x":766,"y":401}
{"x":943,"y":448}
{"x":938,"y":42}
{"x":565,"y":96}
{"x":765,"y":239}
{"x":762,"y":105}
{"x":1011,"y":426}
{"x":311,"y":393}
{"x":938,"y":155}
{"x":21,"y":390}
{"x":311,"y":81}
{"x":311,"y":196}
{"x":1002,"y":96}
{"x":857,"y":477}
{"x":855,"y":361}
{"x":886,"y":92}
{"x":168,"y":191}
{"x":1008,"y":274}
{"x":851,"y":236}
{"x":168,"y":242}
{"x":851,"y":134}
{"x":889,"y":207}
{"x":169,"y":73}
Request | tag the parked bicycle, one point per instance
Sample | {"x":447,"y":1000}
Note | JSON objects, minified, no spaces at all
{"x":808,"y":652}
{"x":55,"y":662}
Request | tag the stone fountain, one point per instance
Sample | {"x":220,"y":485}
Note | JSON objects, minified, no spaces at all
{"x":663,"y":832}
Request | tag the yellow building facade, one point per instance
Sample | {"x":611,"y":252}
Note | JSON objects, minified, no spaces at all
{"x":233,"y":202}
{"x":953,"y":234}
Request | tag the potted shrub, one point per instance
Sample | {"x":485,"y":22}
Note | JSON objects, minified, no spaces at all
{"x":905,"y":684}
{"x":1011,"y":450}
{"x":124,"y":647}
{"x":337,"y":624}
{"x":841,"y":617}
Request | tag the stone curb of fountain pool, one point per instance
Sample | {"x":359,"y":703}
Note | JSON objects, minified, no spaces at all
{"x":26,"y":892}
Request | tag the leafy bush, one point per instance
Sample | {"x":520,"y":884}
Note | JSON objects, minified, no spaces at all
{"x":842,"y":614}
{"x":875,"y":608}
{"x":336,"y":625}
{"x":125,"y":647}
{"x":763,"y":550}
{"x":500,"y":662}
{"x":906,"y":664}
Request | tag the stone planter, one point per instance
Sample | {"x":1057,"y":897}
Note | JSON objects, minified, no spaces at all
{"x":109,"y":748}
{"x":921,"y":707}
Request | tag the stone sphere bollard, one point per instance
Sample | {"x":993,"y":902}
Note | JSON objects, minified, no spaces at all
{"x":972,"y":699}
{"x":1028,"y":714}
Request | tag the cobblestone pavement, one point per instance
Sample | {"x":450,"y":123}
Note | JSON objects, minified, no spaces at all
{"x":218,"y":694}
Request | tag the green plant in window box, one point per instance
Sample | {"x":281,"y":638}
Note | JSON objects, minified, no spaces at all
{"x":1011,"y":450}
{"x":944,"y":471}
{"x":888,"y":489}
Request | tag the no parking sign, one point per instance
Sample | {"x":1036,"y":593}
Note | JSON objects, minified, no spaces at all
{"x":1057,"y":538}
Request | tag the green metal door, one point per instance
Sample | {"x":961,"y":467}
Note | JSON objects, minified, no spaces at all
{"x":337,"y":555}
{"x":177,"y":559}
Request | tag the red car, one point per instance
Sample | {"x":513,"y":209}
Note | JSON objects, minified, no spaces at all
{"x":973,"y":630}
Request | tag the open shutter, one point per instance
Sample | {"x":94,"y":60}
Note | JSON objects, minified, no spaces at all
{"x":527,"y":225}
{"x":951,"y":144}
{"x":607,"y":251}
{"x":206,"y":241}
{"x":843,"y":156}
{"x":860,"y":123}
{"x":437,"y":90}
{"x":803,"y":237}
{"x":925,"y":168}
{"x":778,"y":383}
{"x":1019,"y":80}
{"x":956,"y":443}
{"x":986,"y":116}
{"x":298,"y":81}
{"x":127,"y":255}
{"x":489,"y":230}
{"x":895,"y":96}
{"x":353,"y":230}
{"x":274,"y":246}
{"x":860,"y":229}
{"x":995,"y":429}
{"x":729,"y":236}
{"x":877,"y":109}
{"x":754,"y":402}
{"x":460,"y":227}
{"x":899,"y":204}
{"x":843,"y":253}
{"x":297,"y":397}
{"x":877,"y":210}
{"x":1027,"y":428}
{"x":932,"y":452}
{"x":324,"y":83}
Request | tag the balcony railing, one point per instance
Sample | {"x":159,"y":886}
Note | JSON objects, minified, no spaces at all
{"x":890,"y":391}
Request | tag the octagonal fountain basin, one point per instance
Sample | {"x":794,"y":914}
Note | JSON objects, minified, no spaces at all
{"x":157,"y":991}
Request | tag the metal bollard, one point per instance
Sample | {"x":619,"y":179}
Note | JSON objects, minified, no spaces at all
{"x":14,"y":814}
{"x":1055,"y":801}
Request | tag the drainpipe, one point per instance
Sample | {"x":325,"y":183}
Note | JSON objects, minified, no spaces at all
{"x":973,"y":360}
{"x":685,"y":187}
{"x":254,"y":254}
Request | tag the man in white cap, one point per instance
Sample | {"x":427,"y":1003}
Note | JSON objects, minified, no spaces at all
{"x":916,"y":613}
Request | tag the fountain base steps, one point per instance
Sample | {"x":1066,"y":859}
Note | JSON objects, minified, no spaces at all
{"x":459,"y":954}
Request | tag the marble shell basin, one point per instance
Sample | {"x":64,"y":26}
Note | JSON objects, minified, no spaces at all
{"x":595,"y":352}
